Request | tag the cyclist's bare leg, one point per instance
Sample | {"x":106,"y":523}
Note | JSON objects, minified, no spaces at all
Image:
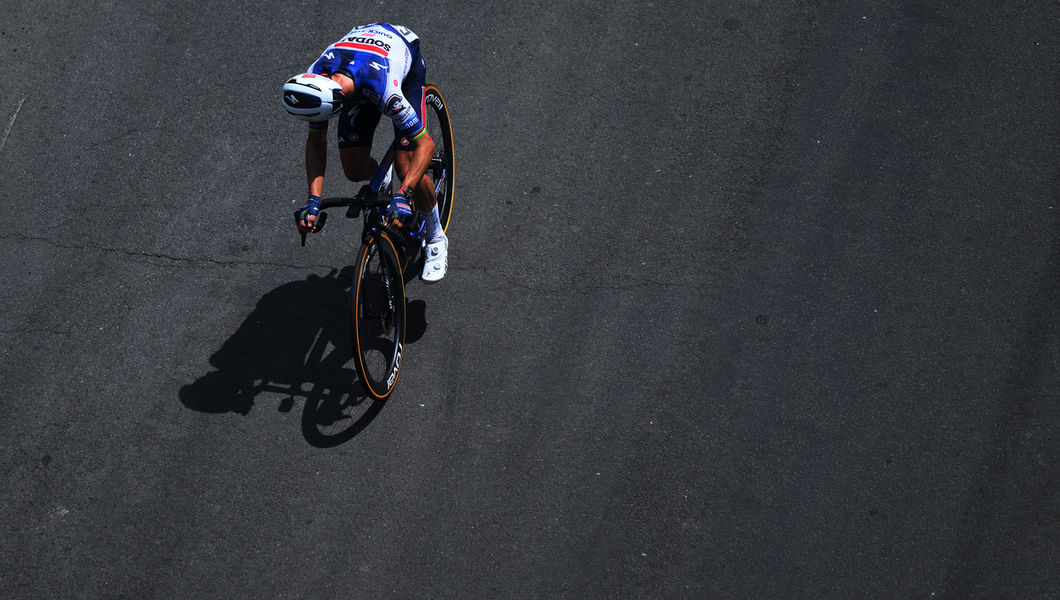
{"x":357,"y":163}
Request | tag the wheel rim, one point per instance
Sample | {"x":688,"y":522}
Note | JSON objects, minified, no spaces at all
{"x":379,"y":321}
{"x":442,"y":163}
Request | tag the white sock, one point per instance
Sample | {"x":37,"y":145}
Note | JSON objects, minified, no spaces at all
{"x":434,"y":224}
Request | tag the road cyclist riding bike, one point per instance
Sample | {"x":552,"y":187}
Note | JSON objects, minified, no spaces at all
{"x":372,"y":70}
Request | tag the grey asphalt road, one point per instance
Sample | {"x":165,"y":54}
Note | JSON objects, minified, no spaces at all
{"x":746,"y":300}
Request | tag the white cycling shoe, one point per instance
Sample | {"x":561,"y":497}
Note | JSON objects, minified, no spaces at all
{"x":436,"y":260}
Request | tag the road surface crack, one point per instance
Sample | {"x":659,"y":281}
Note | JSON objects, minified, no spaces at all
{"x":162,"y":256}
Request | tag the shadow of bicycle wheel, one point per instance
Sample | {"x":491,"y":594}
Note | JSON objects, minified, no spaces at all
{"x":295,"y":344}
{"x":331,"y":422}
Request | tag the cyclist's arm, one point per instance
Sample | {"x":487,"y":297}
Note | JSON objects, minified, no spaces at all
{"x":421,"y":159}
{"x":316,"y":160}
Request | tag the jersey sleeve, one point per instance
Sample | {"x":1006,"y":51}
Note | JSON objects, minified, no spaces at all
{"x":406,"y":121}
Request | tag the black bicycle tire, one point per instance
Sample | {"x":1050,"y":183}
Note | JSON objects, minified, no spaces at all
{"x":440,"y":113}
{"x":380,"y":388}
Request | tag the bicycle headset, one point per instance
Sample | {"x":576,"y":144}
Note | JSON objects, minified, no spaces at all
{"x":312,"y":97}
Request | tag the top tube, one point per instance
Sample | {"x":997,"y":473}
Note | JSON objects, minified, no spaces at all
{"x":385,"y":171}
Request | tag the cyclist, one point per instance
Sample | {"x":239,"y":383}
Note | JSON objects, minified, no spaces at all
{"x":372,"y":70}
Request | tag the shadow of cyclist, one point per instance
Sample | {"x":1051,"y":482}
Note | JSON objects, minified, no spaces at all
{"x":294,"y":344}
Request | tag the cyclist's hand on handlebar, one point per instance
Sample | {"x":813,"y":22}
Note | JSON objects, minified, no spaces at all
{"x":399,"y":208}
{"x":306,"y":217}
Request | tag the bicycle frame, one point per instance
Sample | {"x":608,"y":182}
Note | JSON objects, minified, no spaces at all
{"x":385,"y":173}
{"x":370,"y":201}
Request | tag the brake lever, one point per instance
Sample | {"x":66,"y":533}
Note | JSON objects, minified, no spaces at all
{"x":318,"y":225}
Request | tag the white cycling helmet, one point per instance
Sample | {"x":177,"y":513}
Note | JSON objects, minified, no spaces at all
{"x":312,"y":97}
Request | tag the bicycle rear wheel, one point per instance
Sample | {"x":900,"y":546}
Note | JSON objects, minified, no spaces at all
{"x":441,"y":168}
{"x":378,"y":306}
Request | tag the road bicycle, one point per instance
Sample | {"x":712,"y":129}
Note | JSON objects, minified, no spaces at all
{"x":391,"y":254}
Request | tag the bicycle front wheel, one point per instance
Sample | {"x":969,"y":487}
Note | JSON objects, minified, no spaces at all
{"x":378,"y":306}
{"x":441,"y":167}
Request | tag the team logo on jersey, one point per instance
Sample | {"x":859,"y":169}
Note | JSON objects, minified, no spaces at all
{"x":365,"y":44}
{"x":394,"y":105}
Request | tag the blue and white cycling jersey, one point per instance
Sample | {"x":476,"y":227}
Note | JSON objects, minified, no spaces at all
{"x":378,"y":58}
